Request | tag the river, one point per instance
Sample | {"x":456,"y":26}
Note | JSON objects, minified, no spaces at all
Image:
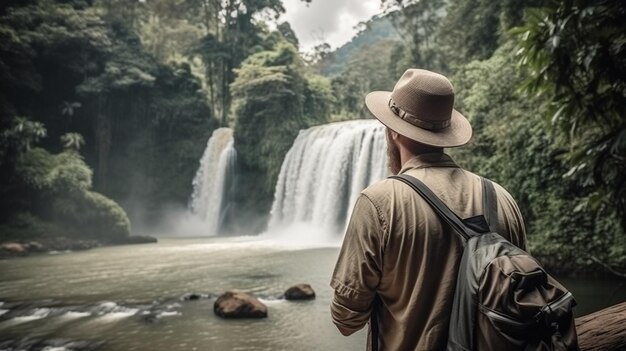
{"x":130,"y":297}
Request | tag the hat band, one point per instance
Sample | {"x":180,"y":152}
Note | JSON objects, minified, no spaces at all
{"x":416,"y":121}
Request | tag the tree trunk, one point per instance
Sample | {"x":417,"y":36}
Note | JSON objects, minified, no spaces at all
{"x":103,"y":146}
{"x":211,"y":89}
{"x":603,"y":330}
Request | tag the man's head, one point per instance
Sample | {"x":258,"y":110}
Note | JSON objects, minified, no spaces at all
{"x":401,"y":148}
{"x":420,"y":108}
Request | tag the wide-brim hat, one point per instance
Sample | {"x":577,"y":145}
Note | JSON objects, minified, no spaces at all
{"x":421,"y":107}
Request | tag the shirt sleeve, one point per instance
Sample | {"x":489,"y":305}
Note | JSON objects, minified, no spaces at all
{"x":357,"y":272}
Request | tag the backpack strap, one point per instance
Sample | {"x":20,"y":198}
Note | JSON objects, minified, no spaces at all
{"x":444,"y":212}
{"x":490,"y":204}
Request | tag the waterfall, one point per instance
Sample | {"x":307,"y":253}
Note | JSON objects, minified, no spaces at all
{"x":212,"y":185}
{"x":324,"y":172}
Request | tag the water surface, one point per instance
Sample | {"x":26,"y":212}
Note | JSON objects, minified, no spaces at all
{"x":129,"y":297}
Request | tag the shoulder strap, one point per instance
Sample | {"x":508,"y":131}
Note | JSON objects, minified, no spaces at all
{"x":451,"y":218}
{"x":490,"y":204}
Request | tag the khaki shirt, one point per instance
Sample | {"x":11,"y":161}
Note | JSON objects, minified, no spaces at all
{"x":396,"y":248}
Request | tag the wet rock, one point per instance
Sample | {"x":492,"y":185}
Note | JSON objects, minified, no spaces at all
{"x":300,"y":292}
{"x":236,"y":304}
{"x":81,"y":245}
{"x":68,"y":244}
{"x":35,"y":246}
{"x":11,"y":248}
{"x":193,"y":296}
{"x":140,"y":239}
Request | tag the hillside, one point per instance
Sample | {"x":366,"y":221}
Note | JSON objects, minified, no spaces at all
{"x":377,"y":29}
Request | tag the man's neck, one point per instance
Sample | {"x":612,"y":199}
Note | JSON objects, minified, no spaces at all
{"x":406,"y":154}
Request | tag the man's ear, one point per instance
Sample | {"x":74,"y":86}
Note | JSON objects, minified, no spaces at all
{"x":394,"y":135}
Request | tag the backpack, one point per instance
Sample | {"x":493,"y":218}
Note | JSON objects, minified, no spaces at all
{"x":504,"y":299}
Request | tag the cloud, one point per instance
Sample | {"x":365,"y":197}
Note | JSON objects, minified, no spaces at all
{"x":330,"y":21}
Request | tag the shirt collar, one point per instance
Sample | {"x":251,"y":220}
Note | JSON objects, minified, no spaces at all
{"x":429,"y":160}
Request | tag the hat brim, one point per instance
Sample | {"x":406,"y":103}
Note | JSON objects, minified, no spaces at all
{"x":457,"y":134}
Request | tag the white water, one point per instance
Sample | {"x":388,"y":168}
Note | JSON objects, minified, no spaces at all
{"x":324,"y":172}
{"x":212,"y":185}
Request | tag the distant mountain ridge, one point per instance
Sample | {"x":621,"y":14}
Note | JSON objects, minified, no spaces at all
{"x":378,"y":29}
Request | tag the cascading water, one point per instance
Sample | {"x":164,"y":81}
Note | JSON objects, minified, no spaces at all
{"x":212,"y":185}
{"x":324,"y":172}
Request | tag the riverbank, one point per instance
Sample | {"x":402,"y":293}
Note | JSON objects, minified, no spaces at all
{"x":22,"y":248}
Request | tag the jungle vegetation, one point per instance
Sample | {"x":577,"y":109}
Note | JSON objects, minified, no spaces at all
{"x":106,"y":107}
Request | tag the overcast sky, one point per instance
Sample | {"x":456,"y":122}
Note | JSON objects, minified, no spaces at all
{"x":330,"y":21}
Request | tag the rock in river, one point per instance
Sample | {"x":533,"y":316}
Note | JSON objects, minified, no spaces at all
{"x":236,"y":304}
{"x":13,"y":248}
{"x":300,"y":292}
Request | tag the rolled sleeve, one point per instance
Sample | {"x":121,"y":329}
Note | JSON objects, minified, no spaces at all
{"x":357,"y":272}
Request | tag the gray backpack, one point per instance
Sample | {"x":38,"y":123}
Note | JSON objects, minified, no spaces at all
{"x":504,"y":299}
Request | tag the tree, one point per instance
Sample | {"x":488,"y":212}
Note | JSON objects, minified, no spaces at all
{"x":366,"y":71}
{"x":512,"y":145}
{"x":231,"y":29}
{"x":72,"y":141}
{"x":416,"y":21}
{"x":78,"y":67}
{"x":19,"y":137}
{"x":575,"y":52}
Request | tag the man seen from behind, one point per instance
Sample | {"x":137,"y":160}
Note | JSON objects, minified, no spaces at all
{"x":398,"y":264}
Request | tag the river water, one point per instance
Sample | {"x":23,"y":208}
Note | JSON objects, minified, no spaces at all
{"x":129,"y":297}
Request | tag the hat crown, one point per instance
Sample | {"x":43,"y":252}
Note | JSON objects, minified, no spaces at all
{"x":427,"y":96}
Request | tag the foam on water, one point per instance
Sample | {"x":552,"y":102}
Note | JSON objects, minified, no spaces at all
{"x":75,"y":315}
{"x":36,"y":314}
{"x":272,"y":301}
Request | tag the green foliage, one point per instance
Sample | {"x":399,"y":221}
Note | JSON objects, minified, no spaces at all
{"x":513,"y":145}
{"x":470,"y":30}
{"x":19,"y":136}
{"x":576,"y":55}
{"x":138,"y":87}
{"x":73,"y":141}
{"x":33,"y":168}
{"x":62,"y":183}
{"x":287,"y":32}
{"x":69,"y":174}
{"x":24,"y":226}
{"x":417,"y":22}
{"x":273,"y":100}
{"x":82,"y":71}
{"x":59,"y":187}
{"x":319,"y":98}
{"x":366,"y":72}
{"x":94,"y":215}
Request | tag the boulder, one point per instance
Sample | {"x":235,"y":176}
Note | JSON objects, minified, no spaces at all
{"x":236,"y":304}
{"x":300,"y":292}
{"x":13,"y":248}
